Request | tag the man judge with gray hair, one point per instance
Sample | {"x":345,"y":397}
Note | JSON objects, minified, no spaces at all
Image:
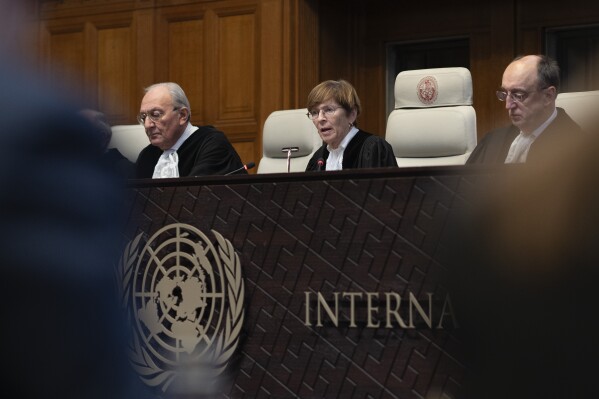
{"x":177,"y":148}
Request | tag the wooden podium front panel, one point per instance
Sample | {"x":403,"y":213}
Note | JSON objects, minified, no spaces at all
{"x":335,"y":233}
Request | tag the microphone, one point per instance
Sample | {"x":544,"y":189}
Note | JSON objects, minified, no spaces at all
{"x":319,"y":164}
{"x":247,"y":166}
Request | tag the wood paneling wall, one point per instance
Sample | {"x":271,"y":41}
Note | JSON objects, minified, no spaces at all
{"x":239,"y":60}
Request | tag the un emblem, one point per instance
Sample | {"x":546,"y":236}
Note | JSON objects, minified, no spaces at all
{"x":185,"y":298}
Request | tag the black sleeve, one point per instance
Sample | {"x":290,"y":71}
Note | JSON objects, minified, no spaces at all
{"x":214,"y":155}
{"x":376,"y":153}
{"x":313,"y":162}
{"x":146,"y":161}
{"x":494,"y":146}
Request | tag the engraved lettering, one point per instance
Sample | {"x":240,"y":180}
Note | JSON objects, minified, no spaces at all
{"x":322,"y":304}
{"x":447,"y":305}
{"x":394,"y":297}
{"x":372,"y":310}
{"x":352,"y":306}
{"x":428,"y":318}
{"x":307,"y":319}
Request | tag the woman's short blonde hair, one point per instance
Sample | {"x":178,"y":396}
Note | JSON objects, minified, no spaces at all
{"x":340,"y":91}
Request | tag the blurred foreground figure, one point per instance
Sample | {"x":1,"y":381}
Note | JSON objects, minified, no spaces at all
{"x":111,"y":158}
{"x":526,"y":275}
{"x":62,"y":335}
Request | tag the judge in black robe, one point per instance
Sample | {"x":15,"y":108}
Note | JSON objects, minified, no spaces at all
{"x":333,"y":106}
{"x":529,"y":89}
{"x":560,"y":135}
{"x":206,"y":152}
{"x":64,"y":333}
{"x":365,"y":150}
{"x":165,"y":114}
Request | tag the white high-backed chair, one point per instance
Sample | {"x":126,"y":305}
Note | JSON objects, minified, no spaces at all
{"x":433,"y":122}
{"x":582,"y":106}
{"x":288,"y":128}
{"x":129,"y":140}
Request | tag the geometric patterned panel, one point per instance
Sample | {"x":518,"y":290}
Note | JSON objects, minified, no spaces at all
{"x":300,"y":235}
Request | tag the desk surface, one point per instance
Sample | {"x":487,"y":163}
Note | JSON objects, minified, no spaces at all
{"x":343,"y":277}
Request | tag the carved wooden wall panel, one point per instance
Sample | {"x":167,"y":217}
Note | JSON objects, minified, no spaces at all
{"x":236,"y":68}
{"x":180,"y":55}
{"x":115,"y":68}
{"x":94,"y":57}
{"x":223,"y":53}
{"x":65,"y":54}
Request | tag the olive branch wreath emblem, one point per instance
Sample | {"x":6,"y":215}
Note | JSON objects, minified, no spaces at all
{"x":226,"y":343}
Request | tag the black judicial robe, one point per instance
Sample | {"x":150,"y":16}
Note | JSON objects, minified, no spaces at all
{"x":561,"y":134}
{"x":365,"y":150}
{"x":206,"y":152}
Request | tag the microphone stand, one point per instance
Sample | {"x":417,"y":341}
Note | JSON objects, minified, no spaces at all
{"x":289,"y":150}
{"x":247,"y":166}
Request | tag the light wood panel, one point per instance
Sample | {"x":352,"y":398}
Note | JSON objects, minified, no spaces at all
{"x":209,"y":49}
{"x":93,"y":57}
{"x":236,"y":69}
{"x":114,"y":72}
{"x":237,"y":60}
{"x":144,"y":26}
{"x":64,"y":56}
{"x":180,"y":54}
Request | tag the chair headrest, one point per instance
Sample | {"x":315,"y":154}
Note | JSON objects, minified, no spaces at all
{"x":581,"y":106}
{"x":436,"y":87}
{"x":429,"y":133}
{"x":289,"y":128}
{"x":129,"y":140}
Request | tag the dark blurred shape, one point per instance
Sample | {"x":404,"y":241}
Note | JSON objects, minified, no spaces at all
{"x":63,"y":336}
{"x":100,"y":125}
{"x":525,"y":278}
{"x":62,"y":331}
{"x":111,"y":158}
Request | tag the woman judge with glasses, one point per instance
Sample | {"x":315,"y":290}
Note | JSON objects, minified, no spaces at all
{"x":529,"y":88}
{"x":333,"y":106}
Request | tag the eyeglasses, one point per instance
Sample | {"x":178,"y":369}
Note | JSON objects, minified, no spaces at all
{"x":327,"y":111}
{"x":518,"y":96}
{"x":155,"y":116}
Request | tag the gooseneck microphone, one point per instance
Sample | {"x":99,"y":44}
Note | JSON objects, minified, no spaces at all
{"x":319,"y":164}
{"x":247,"y":166}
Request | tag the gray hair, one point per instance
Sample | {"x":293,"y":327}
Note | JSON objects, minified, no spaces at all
{"x":177,"y":94}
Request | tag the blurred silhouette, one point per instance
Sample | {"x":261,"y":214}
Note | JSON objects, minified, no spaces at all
{"x":111,"y":158}
{"x":525,"y":278}
{"x":63,"y":335}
